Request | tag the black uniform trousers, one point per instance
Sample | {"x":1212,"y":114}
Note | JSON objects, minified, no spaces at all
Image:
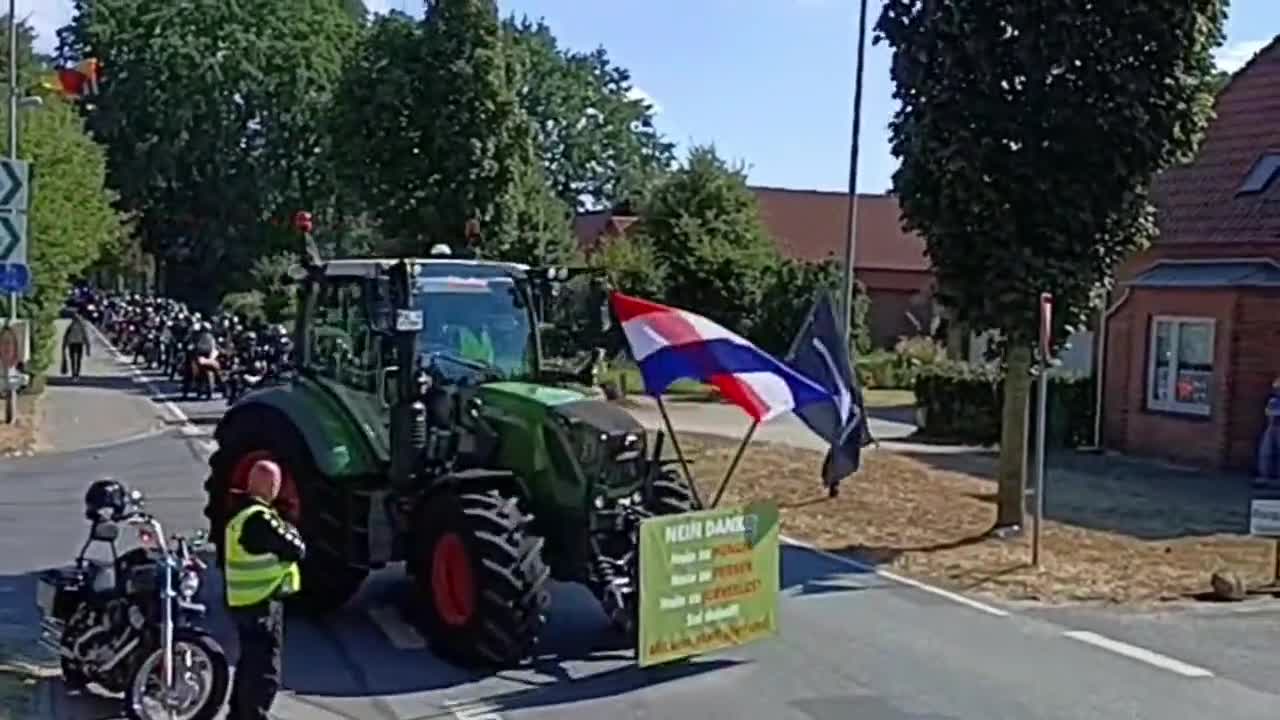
{"x":261,"y":631}
{"x":75,"y":352}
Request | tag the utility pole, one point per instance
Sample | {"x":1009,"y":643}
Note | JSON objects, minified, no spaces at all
{"x":851,"y":219}
{"x":11,"y":396}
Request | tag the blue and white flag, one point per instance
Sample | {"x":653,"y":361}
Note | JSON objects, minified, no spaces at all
{"x":819,"y":353}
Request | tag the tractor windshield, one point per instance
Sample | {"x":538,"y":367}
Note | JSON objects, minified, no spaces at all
{"x":476,"y":320}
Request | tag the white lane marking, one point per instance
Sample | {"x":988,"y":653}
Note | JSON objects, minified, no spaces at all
{"x":188,"y":428}
{"x":288,"y":706}
{"x":402,"y":635}
{"x":206,"y":448}
{"x":1141,"y":654}
{"x":901,"y":580}
{"x":472,"y":711}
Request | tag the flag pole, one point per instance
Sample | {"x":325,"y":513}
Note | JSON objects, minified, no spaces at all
{"x":734,"y":465}
{"x":675,"y":443}
{"x":808,"y":321}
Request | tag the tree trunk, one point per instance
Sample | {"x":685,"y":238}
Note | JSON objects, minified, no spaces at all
{"x":1013,"y":445}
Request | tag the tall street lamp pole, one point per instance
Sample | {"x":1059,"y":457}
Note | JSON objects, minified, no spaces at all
{"x":15,"y":102}
{"x":851,"y":218}
{"x":13,"y":117}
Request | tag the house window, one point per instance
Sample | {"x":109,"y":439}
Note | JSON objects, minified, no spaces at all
{"x":1180,"y":373}
{"x":1261,"y":174}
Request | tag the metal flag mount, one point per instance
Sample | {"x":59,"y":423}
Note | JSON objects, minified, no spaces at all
{"x":675,"y":443}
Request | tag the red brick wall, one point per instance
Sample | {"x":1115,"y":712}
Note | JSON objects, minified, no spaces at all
{"x":1257,"y":362}
{"x":1128,"y":425}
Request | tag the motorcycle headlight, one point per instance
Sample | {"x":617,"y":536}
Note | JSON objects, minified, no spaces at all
{"x":189,"y":585}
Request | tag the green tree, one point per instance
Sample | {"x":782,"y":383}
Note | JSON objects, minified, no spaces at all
{"x":631,"y":266}
{"x":704,"y":224}
{"x":71,"y":220}
{"x":433,"y":136}
{"x":209,"y":111}
{"x":1029,"y":134}
{"x":597,"y":141}
{"x":789,"y":290}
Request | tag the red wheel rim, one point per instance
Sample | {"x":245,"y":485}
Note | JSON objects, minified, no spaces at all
{"x":287,"y":502}
{"x":452,"y":585}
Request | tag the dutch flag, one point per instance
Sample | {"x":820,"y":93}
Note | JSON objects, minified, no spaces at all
{"x":671,"y":344}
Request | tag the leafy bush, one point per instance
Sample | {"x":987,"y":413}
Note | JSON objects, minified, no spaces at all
{"x":248,"y":304}
{"x":880,"y":369}
{"x":962,"y":403}
{"x":920,"y":350}
{"x":897,"y":369}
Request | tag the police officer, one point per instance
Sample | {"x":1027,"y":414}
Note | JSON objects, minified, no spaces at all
{"x":262,"y":555}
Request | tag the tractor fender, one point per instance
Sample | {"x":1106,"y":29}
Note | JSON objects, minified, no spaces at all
{"x":481,"y":479}
{"x":337,"y":444}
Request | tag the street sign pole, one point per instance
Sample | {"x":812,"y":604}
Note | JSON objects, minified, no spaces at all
{"x":11,"y":393}
{"x":1042,"y":407}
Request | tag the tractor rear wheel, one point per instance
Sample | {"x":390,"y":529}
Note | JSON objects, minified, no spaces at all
{"x":480,"y":577}
{"x":328,"y":580}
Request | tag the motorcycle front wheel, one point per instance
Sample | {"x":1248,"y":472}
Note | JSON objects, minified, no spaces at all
{"x":200,"y":680}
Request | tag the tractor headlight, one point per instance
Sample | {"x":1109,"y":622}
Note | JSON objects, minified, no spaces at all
{"x":189,"y":585}
{"x":630,"y":448}
{"x":599,"y":503}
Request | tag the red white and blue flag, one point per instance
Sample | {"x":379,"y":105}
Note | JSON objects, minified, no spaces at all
{"x":671,"y":344}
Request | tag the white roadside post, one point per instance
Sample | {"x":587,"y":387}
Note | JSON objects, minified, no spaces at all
{"x":1042,"y":413}
{"x":1264,"y":521}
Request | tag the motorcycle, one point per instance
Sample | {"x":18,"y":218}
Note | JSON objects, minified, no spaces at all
{"x":202,"y":373}
{"x":133,"y":624}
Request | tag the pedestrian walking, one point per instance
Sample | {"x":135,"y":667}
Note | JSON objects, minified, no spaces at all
{"x":75,"y":345}
{"x":261,"y":566}
{"x":1268,"y":461}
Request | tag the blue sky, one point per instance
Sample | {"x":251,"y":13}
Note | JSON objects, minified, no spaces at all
{"x":769,"y":82}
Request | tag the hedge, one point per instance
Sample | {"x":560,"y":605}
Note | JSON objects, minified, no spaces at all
{"x":962,"y":403}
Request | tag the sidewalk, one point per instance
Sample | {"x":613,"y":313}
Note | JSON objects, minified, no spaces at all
{"x":731,"y":422}
{"x":104,"y":406}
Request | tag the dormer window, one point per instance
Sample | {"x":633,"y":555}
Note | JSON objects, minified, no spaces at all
{"x":1261,"y":175}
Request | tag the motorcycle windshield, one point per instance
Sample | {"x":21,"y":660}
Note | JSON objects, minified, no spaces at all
{"x":473,"y":315}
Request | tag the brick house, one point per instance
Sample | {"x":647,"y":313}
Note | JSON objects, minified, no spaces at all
{"x":810,"y":225}
{"x":1192,"y":337}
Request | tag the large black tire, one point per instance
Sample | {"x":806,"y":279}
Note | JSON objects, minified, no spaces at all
{"x":501,"y":613}
{"x":218,"y":683}
{"x":670,"y":495}
{"x":329,"y":580}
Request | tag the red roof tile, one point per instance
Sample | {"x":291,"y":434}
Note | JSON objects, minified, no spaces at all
{"x":810,"y":225}
{"x":1197,"y":202}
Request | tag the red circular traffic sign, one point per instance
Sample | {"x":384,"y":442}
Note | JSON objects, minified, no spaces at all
{"x":8,"y":348}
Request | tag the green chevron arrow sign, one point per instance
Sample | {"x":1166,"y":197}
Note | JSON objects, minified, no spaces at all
{"x":14,"y":177}
{"x":13,"y":238}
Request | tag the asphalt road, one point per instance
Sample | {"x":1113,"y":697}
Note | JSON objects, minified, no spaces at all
{"x":854,"y":644}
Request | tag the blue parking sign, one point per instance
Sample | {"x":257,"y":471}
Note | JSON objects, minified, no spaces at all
{"x":14,"y":278}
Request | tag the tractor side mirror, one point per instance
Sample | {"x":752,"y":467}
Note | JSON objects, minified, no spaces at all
{"x":382,"y":312}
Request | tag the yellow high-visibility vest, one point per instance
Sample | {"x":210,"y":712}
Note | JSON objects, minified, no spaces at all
{"x":253,"y":578}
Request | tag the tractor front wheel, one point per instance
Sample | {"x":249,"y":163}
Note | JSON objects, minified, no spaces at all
{"x":328,"y":579}
{"x":480,"y":577}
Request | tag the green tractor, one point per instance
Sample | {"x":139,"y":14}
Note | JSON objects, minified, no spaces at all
{"x":421,"y":424}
